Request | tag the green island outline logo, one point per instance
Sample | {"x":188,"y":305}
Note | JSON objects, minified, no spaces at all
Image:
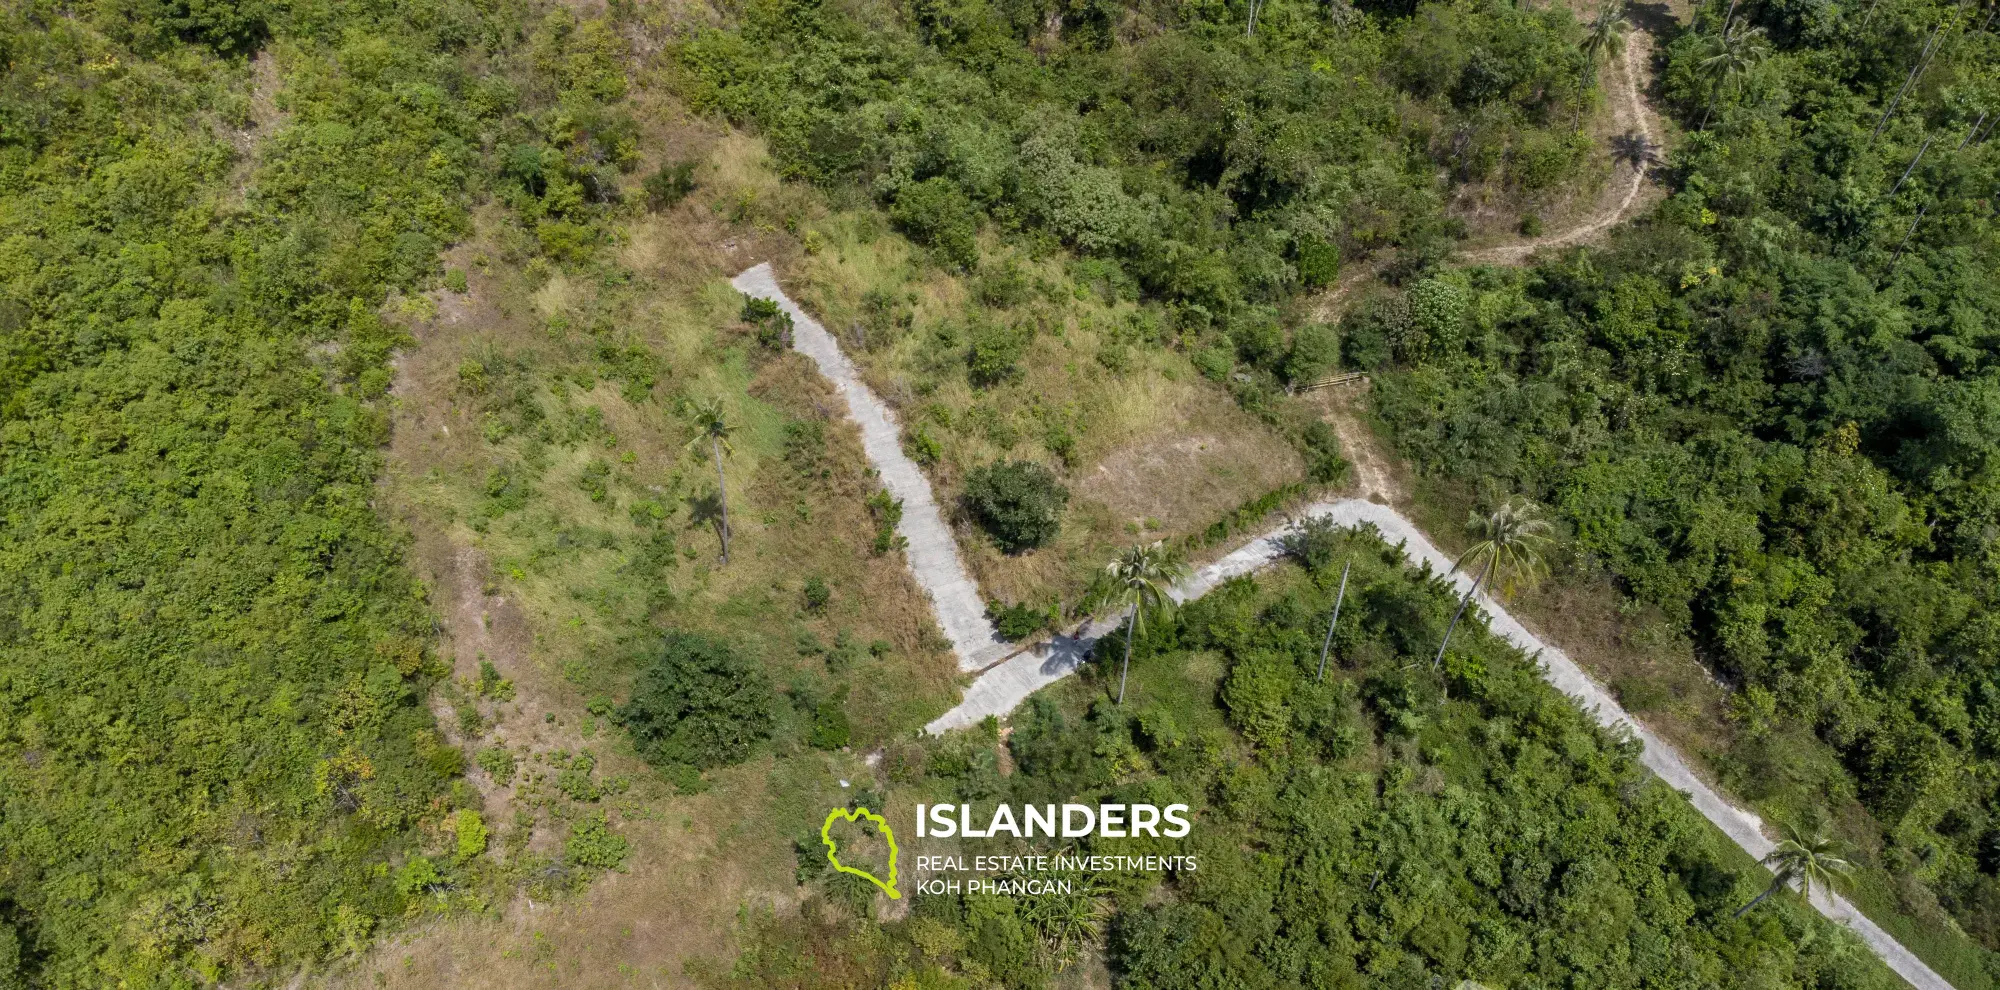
{"x":833,"y":850}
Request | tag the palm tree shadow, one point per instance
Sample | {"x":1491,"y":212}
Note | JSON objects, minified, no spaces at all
{"x":1656,"y":19}
{"x":706,"y":510}
{"x":1632,"y":148}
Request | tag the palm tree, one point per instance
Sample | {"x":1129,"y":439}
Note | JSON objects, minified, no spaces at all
{"x":1607,"y":34}
{"x":1508,"y":554}
{"x":1066,"y":924}
{"x":1140,"y":576}
{"x":1728,"y":57}
{"x":1923,"y":62}
{"x":713,"y":426}
{"x":1810,"y":861}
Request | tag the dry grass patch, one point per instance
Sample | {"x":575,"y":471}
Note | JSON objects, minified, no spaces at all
{"x":1148,"y":448}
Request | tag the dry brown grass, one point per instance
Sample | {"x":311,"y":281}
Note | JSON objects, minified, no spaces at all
{"x":1200,"y":460}
{"x":1158,"y":451}
{"x":671,"y":915}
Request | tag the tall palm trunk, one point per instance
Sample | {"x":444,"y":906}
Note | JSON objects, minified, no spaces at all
{"x":721,"y":494}
{"x":1905,"y":177}
{"x":1923,"y":60}
{"x":1912,"y":232}
{"x":1455,"y":616}
{"x":1330,"y":623}
{"x":1768,"y":891}
{"x":1126,"y":670}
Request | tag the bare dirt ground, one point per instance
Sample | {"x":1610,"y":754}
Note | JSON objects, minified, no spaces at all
{"x":1182,"y":478}
{"x":1375,"y":473}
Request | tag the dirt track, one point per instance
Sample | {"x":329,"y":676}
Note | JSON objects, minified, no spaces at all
{"x":1636,"y":146}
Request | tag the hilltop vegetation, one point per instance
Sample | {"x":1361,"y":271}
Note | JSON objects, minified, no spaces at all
{"x":1045,"y":231}
{"x":1193,"y":164}
{"x":1768,"y":413}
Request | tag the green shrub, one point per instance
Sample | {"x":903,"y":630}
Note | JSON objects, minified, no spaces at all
{"x":921,"y":446}
{"x":499,"y":763}
{"x":1019,"y":503}
{"x":576,"y":780}
{"x":471,"y":724}
{"x":564,"y":240}
{"x":996,"y":354}
{"x":1319,"y":263}
{"x":1017,"y":621}
{"x":1314,"y":544}
{"x":817,"y":595}
{"x":418,"y":876}
{"x":669,"y":185}
{"x":1002,"y":285}
{"x":773,"y":325}
{"x":1315,"y":351}
{"x":830,"y":728}
{"x":936,"y":214}
{"x":1321,"y":446}
{"x":469,"y":834}
{"x":698,"y":704}
{"x":592,"y":844}
{"x":491,"y":684}
{"x":1214,"y":363}
{"x":887,"y":511}
{"x":1438,"y":310}
{"x":1259,"y":339}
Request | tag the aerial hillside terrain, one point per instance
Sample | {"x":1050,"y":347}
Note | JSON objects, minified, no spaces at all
{"x":419,"y":566}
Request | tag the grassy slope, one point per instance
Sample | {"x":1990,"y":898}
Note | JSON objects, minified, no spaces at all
{"x":561,"y":587}
{"x":1149,"y":449}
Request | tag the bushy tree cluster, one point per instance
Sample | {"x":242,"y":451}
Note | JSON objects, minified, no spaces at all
{"x":1019,"y":503}
{"x":1386,"y":827}
{"x":1212,"y":169}
{"x":698,"y":704}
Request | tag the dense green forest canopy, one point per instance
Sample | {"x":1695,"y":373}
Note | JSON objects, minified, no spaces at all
{"x":1212,"y":170}
{"x":1388,"y":827}
{"x":1773,"y":410}
{"x":213,"y":663}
